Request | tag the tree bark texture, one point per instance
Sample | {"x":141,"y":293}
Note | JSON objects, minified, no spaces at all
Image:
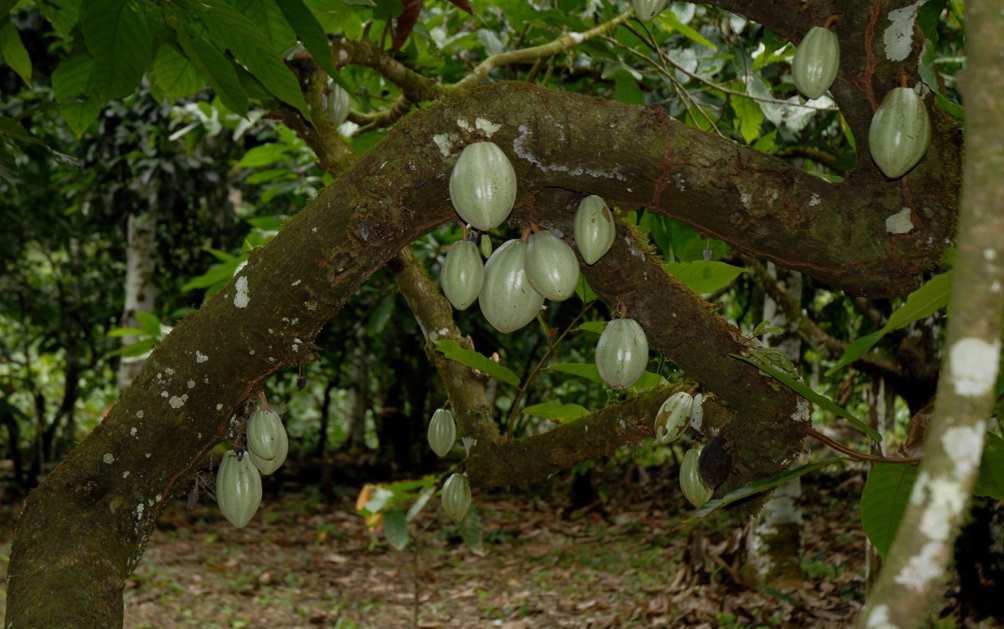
{"x":89,"y":521}
{"x":914,"y":571}
{"x":140,"y":285}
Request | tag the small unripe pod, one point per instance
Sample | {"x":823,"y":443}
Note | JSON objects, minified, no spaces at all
{"x":622,"y":353}
{"x":442,"y":432}
{"x":673,"y":417}
{"x":594,"y":229}
{"x":456,"y":496}
{"x":238,"y":488}
{"x":693,"y":486}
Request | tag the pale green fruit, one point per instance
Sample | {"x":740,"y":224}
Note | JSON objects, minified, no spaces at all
{"x":594,"y":229}
{"x":648,"y":9}
{"x":442,"y":432}
{"x":336,"y":104}
{"x":551,"y":266}
{"x":816,"y":61}
{"x":673,"y":417}
{"x":900,"y":132}
{"x":486,"y":246}
{"x":483,"y":185}
{"x":622,"y":353}
{"x":463,"y":274}
{"x":238,"y":488}
{"x":264,"y":430}
{"x":268,"y":466}
{"x":507,"y":300}
{"x":693,"y":486}
{"x":456,"y":496}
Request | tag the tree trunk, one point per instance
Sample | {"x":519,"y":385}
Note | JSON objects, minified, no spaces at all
{"x":776,"y":541}
{"x":140,"y":286}
{"x":360,"y":392}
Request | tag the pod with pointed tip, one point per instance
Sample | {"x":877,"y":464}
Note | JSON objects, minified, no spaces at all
{"x":900,"y":132}
{"x":622,"y":353}
{"x":551,"y":266}
{"x":456,"y":496}
{"x":264,"y":429}
{"x":442,"y":432}
{"x":693,"y":486}
{"x":648,"y":9}
{"x":463,"y":274}
{"x":594,"y":229}
{"x":268,"y":466}
{"x":483,"y":185}
{"x":816,"y":62}
{"x":507,"y":300}
{"x":238,"y":488}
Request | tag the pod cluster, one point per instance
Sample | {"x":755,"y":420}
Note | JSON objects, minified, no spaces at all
{"x":238,"y":480}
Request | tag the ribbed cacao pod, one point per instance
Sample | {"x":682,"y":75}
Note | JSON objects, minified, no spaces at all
{"x":594,"y":229}
{"x":648,"y":9}
{"x":673,"y":417}
{"x":816,"y":62}
{"x":507,"y":300}
{"x":483,"y":185}
{"x":336,"y":104}
{"x":268,"y":466}
{"x":551,"y":266}
{"x":263,"y":433}
{"x":238,"y":488}
{"x":693,"y":486}
{"x":463,"y":274}
{"x":456,"y":496}
{"x":622,"y":353}
{"x":900,"y":132}
{"x":442,"y":432}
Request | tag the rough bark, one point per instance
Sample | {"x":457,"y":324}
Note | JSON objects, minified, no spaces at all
{"x":140,"y":286}
{"x":913,"y":574}
{"x":89,"y":521}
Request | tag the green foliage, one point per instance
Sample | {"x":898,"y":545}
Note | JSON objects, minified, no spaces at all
{"x":474,"y":360}
{"x":883,"y":502}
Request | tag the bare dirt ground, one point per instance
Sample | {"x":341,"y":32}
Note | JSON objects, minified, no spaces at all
{"x":307,"y":561}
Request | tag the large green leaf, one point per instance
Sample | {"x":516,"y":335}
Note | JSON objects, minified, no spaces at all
{"x":80,"y":115}
{"x":991,"y":479}
{"x":265,"y":155}
{"x":671,"y":23}
{"x":453,"y":351}
{"x":812,"y":396}
{"x":920,"y":304}
{"x":176,"y":75}
{"x":395,"y":528}
{"x":14,"y":52}
{"x":884,"y":500}
{"x":268,"y":17}
{"x":149,"y":322}
{"x":559,"y":413}
{"x":312,"y":35}
{"x":230,"y":29}
{"x":14,"y":129}
{"x":761,"y":486}
{"x":73,"y":76}
{"x":217,"y":70}
{"x":119,"y":39}
{"x":704,"y":276}
{"x":583,"y":370}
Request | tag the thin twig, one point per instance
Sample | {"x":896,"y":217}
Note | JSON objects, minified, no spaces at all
{"x":861,"y":456}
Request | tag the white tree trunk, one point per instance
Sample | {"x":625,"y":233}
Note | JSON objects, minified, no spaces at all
{"x":775,"y":541}
{"x":140,"y":287}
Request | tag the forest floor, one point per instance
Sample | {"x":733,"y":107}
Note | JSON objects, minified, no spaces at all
{"x":307,"y":561}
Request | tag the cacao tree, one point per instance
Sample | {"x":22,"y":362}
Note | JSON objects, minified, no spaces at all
{"x":720,"y":154}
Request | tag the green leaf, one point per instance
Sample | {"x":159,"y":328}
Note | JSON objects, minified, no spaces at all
{"x":749,"y":117}
{"x":596,"y":327}
{"x":217,"y":70}
{"x":672,"y":23}
{"x":229,"y":28}
{"x":6,"y":6}
{"x":584,"y":292}
{"x":176,"y":75}
{"x":136,"y":349}
{"x":991,"y":479}
{"x":267,"y":223}
{"x":626,"y":89}
{"x":312,"y":35}
{"x":928,"y":17}
{"x":149,"y":322}
{"x":704,"y":276}
{"x":219,"y":274}
{"x":14,"y":52}
{"x":395,"y":528}
{"x":453,"y":351}
{"x":117,"y":35}
{"x":583,"y":370}
{"x":856,"y":350}
{"x":559,"y":413}
{"x":884,"y":500}
{"x":420,"y":503}
{"x":265,"y":155}
{"x":812,"y":396}
{"x":73,"y":76}
{"x":954,"y":109}
{"x":120,"y":332}
{"x":268,"y":16}
{"x":80,"y":115}
{"x":14,"y":129}
{"x":470,"y":529}
{"x":761,"y":486}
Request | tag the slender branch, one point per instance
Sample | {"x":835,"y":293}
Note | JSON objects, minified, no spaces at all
{"x":860,"y":456}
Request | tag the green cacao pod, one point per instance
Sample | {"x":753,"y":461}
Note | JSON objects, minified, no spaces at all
{"x":238,"y":488}
{"x":486,"y":246}
{"x":264,"y":430}
{"x":483,"y":185}
{"x":816,"y":61}
{"x":673,"y":417}
{"x":900,"y":132}
{"x":442,"y":432}
{"x":648,"y":9}
{"x":507,"y":300}
{"x":336,"y":104}
{"x":594,"y":229}
{"x":463,"y":274}
{"x":551,"y":266}
{"x":456,"y":496}
{"x":693,"y":486}
{"x":268,"y":466}
{"x":622,"y":353}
